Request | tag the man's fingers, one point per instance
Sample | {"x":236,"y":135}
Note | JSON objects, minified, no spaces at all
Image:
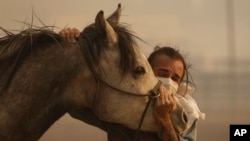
{"x":157,"y":101}
{"x":174,"y":101}
{"x":76,"y":32}
{"x":70,"y":34}
{"x":62,"y":33}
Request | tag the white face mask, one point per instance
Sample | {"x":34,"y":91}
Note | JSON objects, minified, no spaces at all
{"x":169,"y":84}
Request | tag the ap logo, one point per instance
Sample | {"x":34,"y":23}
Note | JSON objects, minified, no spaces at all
{"x":239,"y":132}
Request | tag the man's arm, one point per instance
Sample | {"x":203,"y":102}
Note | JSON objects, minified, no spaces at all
{"x":168,"y":132}
{"x":163,"y":107}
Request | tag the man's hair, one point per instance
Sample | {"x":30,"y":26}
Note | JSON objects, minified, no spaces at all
{"x":173,"y":54}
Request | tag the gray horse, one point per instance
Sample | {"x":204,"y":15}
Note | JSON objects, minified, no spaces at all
{"x":42,"y":77}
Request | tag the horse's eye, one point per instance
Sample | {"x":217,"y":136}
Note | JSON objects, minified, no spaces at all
{"x":139,"y":71}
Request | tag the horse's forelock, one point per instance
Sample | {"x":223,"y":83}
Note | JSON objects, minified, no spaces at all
{"x":127,"y":44}
{"x":95,"y":45}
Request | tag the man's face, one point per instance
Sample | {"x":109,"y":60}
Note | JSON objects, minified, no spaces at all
{"x":164,"y":66}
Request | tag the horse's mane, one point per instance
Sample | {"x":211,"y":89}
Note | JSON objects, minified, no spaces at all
{"x":15,"y":47}
{"x":94,"y":46}
{"x":27,"y":40}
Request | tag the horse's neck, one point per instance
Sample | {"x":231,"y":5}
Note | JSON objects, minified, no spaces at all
{"x":36,"y":96}
{"x":27,"y":120}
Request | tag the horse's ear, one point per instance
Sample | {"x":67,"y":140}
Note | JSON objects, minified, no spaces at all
{"x":104,"y":29}
{"x":115,"y":17}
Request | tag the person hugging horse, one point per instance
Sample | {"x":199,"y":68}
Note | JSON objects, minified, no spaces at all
{"x":170,"y":67}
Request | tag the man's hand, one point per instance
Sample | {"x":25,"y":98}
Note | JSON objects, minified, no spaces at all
{"x":164,"y":105}
{"x":70,"y":34}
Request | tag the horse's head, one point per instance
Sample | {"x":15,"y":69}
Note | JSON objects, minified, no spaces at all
{"x":123,"y":76}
